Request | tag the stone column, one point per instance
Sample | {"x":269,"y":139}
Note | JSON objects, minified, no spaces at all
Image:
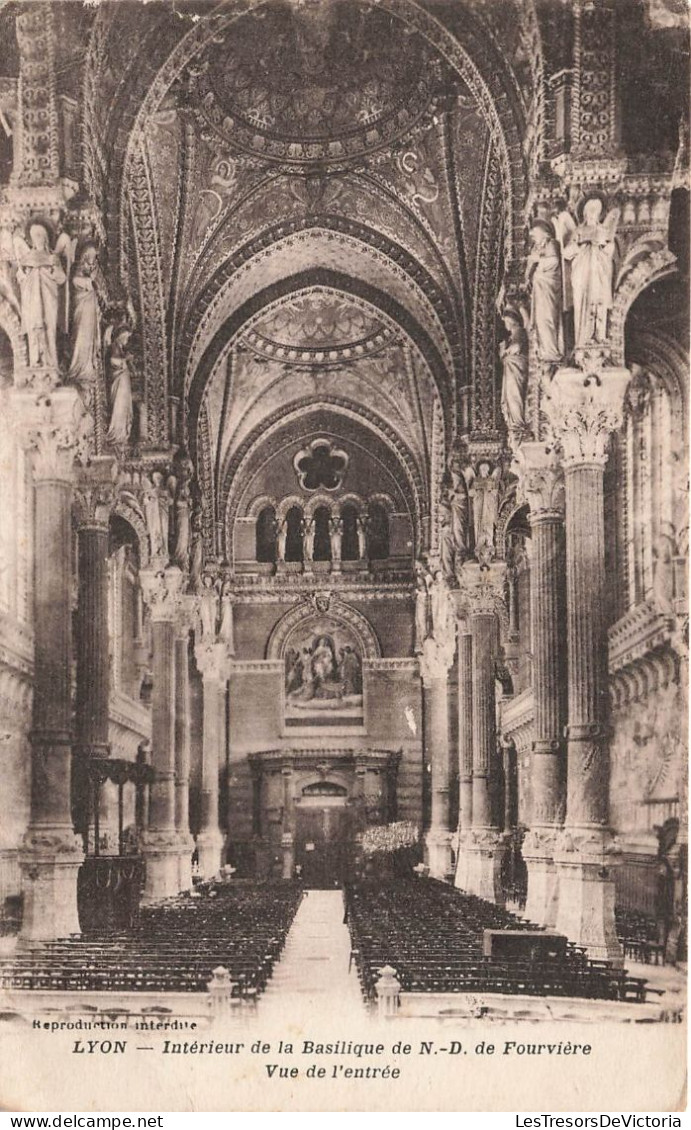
{"x":584,"y":410}
{"x":288,"y":827}
{"x":51,"y":853}
{"x":435,"y":662}
{"x":465,"y":747}
{"x":94,"y":498}
{"x":212,"y":663}
{"x":542,"y":487}
{"x":161,"y":592}
{"x":182,"y":745}
{"x":481,"y":852}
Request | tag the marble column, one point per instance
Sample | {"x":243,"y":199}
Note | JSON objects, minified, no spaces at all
{"x":481,"y":852}
{"x":212,"y":663}
{"x":182,"y":745}
{"x":584,"y":409}
{"x":161,"y":590}
{"x":542,"y":487}
{"x":465,"y":747}
{"x":51,"y":853}
{"x":435,"y":661}
{"x":94,"y":498}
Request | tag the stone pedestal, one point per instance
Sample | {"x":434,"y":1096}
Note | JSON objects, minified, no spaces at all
{"x":212,"y":661}
{"x":584,"y":410}
{"x":51,"y":854}
{"x":161,"y":843}
{"x":542,"y":486}
{"x":481,"y":848}
{"x":435,"y":661}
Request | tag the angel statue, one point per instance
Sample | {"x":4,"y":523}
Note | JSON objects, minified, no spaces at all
{"x":514,"y":359}
{"x":423,"y":583}
{"x":590,"y":250}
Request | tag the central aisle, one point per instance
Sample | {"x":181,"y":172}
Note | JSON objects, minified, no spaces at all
{"x":311,"y":980}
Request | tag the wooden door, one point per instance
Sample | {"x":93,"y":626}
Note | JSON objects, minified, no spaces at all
{"x":323,"y":845}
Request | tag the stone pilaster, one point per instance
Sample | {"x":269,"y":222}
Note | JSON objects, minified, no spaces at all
{"x":212,"y":662}
{"x":182,"y":744}
{"x":435,"y":662}
{"x":94,"y":496}
{"x":481,"y":849}
{"x":465,"y":747}
{"x":50,"y":428}
{"x":584,"y":409}
{"x":541,"y":484}
{"x":36,"y":153}
{"x":161,"y":592}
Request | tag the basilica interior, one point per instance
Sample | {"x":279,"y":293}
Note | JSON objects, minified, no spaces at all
{"x":343,"y":449}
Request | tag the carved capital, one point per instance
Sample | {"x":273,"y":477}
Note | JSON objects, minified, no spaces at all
{"x":540,"y":480}
{"x":94,"y":495}
{"x":483,"y":589}
{"x":162,"y":590}
{"x":54,"y":429}
{"x":185,"y":615}
{"x":212,"y":662}
{"x":436,"y":659}
{"x":583,"y":410}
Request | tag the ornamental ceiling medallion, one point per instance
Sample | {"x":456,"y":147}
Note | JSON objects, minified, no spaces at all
{"x":314,"y":81}
{"x":318,"y":327}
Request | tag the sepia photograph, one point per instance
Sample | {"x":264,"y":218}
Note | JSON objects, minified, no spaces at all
{"x":344,"y":389}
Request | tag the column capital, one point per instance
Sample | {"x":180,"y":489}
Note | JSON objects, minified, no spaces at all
{"x":212,"y":662}
{"x":583,"y":410}
{"x":162,"y":590}
{"x":482,"y":587}
{"x":95,"y":492}
{"x":540,"y":481}
{"x":54,"y":428}
{"x":436,"y":660}
{"x":185,"y":615}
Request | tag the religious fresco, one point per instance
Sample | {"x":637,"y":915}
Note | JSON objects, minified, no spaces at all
{"x":323,"y":677}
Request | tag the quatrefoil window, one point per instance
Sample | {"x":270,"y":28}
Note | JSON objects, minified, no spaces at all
{"x":320,"y":466}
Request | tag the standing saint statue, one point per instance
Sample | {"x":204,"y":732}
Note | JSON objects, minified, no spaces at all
{"x":590,"y":250}
{"x":362,"y":537}
{"x":86,"y":335}
{"x":40,"y":277}
{"x":208,"y":609}
{"x":514,"y":359}
{"x":336,"y":538}
{"x":309,"y":532}
{"x":447,"y":547}
{"x":422,"y":587}
{"x":120,"y":381}
{"x":225,"y":630}
{"x":196,"y":551}
{"x":544,"y":273}
{"x":440,"y":602}
{"x":458,"y":501}
{"x":281,"y":538}
{"x":484,"y":492}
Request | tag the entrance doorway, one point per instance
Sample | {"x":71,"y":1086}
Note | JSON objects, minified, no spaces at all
{"x":323,"y":843}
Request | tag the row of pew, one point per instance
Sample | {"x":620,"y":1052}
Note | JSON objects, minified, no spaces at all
{"x":175,"y":946}
{"x":432,"y":935}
